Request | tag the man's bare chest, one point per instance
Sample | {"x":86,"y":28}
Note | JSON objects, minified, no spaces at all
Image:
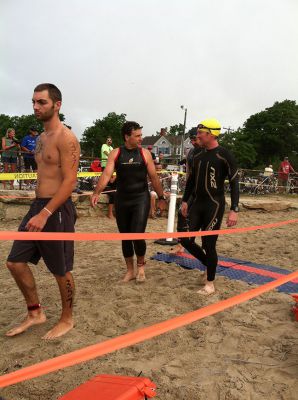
{"x":47,"y":153}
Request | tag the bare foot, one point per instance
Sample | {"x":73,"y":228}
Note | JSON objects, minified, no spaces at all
{"x":140,"y":278}
{"x":111,"y":217}
{"x":207,"y":289}
{"x":129,"y":276}
{"x":59,"y":330}
{"x":203,"y":278}
{"x":31,"y":319}
{"x":177,"y":249}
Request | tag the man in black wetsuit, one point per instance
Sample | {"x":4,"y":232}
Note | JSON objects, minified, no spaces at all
{"x":181,"y":222}
{"x":132,"y":201}
{"x":205,"y":185}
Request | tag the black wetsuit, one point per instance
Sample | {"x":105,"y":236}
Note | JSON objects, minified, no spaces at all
{"x":132,"y":202}
{"x":205,"y":185}
{"x":181,"y":221}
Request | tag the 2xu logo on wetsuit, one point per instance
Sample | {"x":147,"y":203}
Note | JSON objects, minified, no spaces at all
{"x":212,"y":178}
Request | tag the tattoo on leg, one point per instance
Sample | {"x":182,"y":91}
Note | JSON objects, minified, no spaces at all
{"x":69,"y":293}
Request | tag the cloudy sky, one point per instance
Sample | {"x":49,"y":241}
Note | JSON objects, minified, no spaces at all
{"x":226,"y":59}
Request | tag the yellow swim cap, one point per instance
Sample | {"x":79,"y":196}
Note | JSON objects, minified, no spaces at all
{"x":212,"y":124}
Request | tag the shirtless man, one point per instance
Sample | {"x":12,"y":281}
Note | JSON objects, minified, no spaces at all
{"x":57,"y":157}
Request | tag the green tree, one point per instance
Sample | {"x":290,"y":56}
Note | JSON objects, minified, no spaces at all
{"x":5,"y":123}
{"x":266,"y":137}
{"x":243,"y":151}
{"x":95,"y":136}
{"x":176,"y":130}
{"x":273,"y":132}
{"x":21,"y":124}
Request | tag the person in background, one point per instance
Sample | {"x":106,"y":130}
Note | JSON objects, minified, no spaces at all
{"x":28,"y":145}
{"x":283,"y":174}
{"x":10,"y":147}
{"x":111,"y":187}
{"x":161,"y":159}
{"x":182,"y":221}
{"x":95,"y":165}
{"x":268,"y":171}
{"x":153,"y":194}
{"x":150,"y":147}
{"x":106,"y":148}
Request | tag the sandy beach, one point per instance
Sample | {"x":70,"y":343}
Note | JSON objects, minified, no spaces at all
{"x":248,"y":352}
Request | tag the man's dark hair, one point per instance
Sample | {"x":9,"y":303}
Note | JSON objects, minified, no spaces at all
{"x":54,"y":92}
{"x":128,"y":127}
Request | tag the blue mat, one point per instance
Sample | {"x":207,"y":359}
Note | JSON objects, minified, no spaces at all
{"x":230,"y":272}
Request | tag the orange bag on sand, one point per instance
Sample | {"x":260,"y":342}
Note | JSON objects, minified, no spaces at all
{"x":111,"y":387}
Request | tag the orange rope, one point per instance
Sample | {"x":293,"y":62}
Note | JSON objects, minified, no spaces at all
{"x":11,"y":235}
{"x":138,"y":336}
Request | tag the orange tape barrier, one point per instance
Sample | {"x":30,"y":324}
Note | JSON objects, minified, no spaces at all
{"x":138,"y":336}
{"x":89,"y":193}
{"x":11,"y":235}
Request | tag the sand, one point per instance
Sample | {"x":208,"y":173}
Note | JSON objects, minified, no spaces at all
{"x":246,"y":352}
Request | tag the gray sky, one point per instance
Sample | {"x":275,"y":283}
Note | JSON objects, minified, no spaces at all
{"x":226,"y":59}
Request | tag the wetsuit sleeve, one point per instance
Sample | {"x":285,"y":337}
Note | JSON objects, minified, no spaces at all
{"x":189,"y":186}
{"x":233,"y":180}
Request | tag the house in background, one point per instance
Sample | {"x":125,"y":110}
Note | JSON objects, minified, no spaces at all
{"x":168,"y":145}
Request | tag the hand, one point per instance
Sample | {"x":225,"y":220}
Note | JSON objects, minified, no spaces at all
{"x":37,"y":223}
{"x":94,"y":199}
{"x":232,"y":218}
{"x":162,"y":205}
{"x":184,"y":209}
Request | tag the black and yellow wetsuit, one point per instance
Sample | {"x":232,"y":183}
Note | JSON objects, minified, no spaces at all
{"x":132,"y":202}
{"x":205,"y":185}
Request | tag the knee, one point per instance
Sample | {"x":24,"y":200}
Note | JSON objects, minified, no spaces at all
{"x":186,"y":242}
{"x":12,"y":266}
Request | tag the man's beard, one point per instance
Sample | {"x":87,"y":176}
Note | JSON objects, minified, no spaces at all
{"x":46,"y":116}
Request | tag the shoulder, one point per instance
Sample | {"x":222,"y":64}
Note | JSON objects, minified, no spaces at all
{"x":200,"y":152}
{"x":41,"y":136}
{"x":66,"y":138}
{"x":145,"y":154}
{"x":115,"y":153}
{"x":68,"y":134}
{"x":224,"y":152}
{"x":145,"y":151}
